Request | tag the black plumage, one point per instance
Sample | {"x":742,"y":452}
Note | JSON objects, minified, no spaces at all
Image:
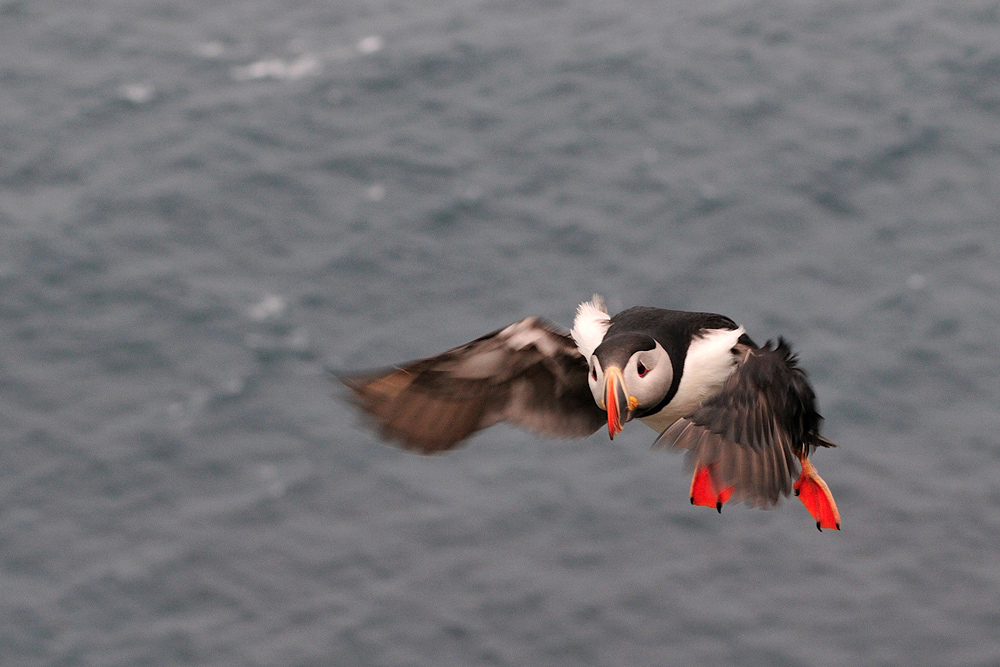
{"x":673,"y":329}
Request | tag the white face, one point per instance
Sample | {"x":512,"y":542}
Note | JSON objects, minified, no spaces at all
{"x":647,"y":374}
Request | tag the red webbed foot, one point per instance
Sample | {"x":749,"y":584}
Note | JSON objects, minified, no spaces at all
{"x":703,"y":491}
{"x":815,"y":495}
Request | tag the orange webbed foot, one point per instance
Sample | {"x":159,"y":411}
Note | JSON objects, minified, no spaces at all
{"x":703,"y":491}
{"x":815,"y":495}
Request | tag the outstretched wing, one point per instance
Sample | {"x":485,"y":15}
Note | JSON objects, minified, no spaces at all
{"x":529,"y":374}
{"x":751,"y":433}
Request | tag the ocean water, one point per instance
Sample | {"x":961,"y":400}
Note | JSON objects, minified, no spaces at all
{"x":206,"y":207}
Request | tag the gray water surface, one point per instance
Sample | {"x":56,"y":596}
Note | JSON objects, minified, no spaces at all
{"x":204,"y":207}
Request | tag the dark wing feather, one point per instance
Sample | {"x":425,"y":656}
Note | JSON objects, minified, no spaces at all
{"x":751,"y":433}
{"x":529,"y":374}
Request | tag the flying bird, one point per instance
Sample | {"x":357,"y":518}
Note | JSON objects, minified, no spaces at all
{"x":745,"y":414}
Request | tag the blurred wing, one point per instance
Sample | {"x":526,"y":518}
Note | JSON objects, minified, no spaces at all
{"x":750,"y":434}
{"x":529,"y":374}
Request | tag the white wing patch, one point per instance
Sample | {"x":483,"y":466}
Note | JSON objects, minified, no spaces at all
{"x":591,"y":323}
{"x":708,"y":363}
{"x":527,"y":332}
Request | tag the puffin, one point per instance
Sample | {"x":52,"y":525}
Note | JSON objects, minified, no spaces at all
{"x":745,"y":414}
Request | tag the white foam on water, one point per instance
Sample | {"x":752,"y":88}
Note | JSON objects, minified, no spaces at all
{"x":369,"y":45}
{"x":279,"y":70}
{"x":272,"y":305}
{"x":137,"y":93}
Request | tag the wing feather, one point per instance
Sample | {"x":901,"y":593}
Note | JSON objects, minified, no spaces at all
{"x":752,"y":431}
{"x":529,"y":373}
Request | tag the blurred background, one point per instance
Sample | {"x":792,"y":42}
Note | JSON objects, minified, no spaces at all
{"x":205,"y":207}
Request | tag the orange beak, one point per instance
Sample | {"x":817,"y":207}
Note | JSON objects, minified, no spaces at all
{"x":615,"y":400}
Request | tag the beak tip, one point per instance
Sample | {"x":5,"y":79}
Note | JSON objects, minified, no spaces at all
{"x":614,"y":428}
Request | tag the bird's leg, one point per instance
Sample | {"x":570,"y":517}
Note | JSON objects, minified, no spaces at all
{"x":703,"y":491}
{"x":815,"y":495}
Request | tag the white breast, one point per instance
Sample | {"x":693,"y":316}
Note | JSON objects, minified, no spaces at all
{"x":708,"y":363}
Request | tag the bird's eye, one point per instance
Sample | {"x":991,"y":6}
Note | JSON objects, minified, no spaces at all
{"x":593,"y":373}
{"x":640,"y":368}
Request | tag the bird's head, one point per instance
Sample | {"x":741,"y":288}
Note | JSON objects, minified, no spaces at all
{"x":629,"y":372}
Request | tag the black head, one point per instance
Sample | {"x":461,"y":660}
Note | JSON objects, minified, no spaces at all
{"x":630,"y":372}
